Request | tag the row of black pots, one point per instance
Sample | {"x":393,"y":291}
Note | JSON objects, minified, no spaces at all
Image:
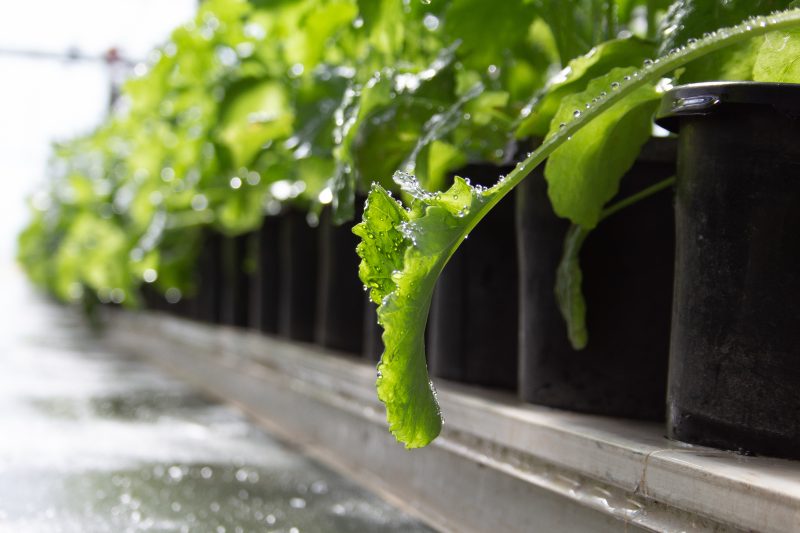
{"x":718,"y":303}
{"x":480,"y":333}
{"x":288,"y":278}
{"x":718,"y":306}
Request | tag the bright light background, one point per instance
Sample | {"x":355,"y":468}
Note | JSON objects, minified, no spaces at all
{"x":42,"y":100}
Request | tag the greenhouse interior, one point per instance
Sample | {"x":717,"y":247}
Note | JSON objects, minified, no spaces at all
{"x":400,"y":266}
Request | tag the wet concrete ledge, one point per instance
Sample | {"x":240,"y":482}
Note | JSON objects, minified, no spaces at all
{"x":499,"y":465}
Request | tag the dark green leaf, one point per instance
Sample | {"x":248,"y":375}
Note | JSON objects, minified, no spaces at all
{"x":487,"y":29}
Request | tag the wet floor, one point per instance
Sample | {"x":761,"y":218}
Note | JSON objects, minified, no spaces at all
{"x":91,"y":442}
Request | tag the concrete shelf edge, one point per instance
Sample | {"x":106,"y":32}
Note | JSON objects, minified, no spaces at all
{"x":499,"y":464}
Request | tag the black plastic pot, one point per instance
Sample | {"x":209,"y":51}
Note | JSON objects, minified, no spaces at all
{"x":298,"y":275}
{"x":472,"y":331}
{"x":734,"y":378}
{"x":264,"y":293}
{"x":209,"y":280}
{"x":153,"y":299}
{"x":340,"y":296}
{"x":627,"y":264}
{"x":236,"y":280}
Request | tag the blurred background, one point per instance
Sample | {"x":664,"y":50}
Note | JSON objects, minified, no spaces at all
{"x":57,"y":64}
{"x":91,"y":440}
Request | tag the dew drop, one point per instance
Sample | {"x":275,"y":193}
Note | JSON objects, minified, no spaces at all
{"x":576,"y":113}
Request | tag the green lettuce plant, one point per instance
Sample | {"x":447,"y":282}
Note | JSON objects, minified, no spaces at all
{"x":404,"y":249}
{"x":320,"y":98}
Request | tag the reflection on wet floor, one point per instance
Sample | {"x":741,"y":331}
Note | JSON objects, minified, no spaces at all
{"x":91,"y":441}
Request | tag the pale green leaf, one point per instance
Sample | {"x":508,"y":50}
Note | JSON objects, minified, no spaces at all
{"x":584,"y":173}
{"x":254,"y":112}
{"x":403,"y":253}
{"x":576,"y":77}
{"x":778,"y":58}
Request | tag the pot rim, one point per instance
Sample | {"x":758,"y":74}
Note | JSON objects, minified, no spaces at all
{"x":700,"y":99}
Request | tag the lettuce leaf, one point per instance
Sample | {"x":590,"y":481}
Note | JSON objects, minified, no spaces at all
{"x":576,"y":76}
{"x":403,"y":251}
{"x":584,"y":173}
{"x":770,"y":62}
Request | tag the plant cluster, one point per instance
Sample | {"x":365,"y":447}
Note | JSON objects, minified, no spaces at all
{"x":256,"y":105}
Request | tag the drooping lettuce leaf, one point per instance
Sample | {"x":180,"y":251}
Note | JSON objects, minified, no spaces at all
{"x":403,"y":252}
{"x":569,"y":290}
{"x":402,"y":275}
{"x":569,"y":276}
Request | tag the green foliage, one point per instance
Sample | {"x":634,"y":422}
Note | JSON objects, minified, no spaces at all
{"x":436,"y":223}
{"x":403,"y":253}
{"x":628,"y":52}
{"x":584,"y":173}
{"x":487,"y":30}
{"x":254,"y":112}
{"x":770,"y":61}
{"x":692,"y":19}
{"x":257,"y":103}
{"x":569,"y":294}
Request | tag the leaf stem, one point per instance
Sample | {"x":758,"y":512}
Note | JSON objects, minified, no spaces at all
{"x":632,"y":199}
{"x":722,"y":38}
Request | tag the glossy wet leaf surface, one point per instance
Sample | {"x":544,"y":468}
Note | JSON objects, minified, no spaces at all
{"x":403,"y":252}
